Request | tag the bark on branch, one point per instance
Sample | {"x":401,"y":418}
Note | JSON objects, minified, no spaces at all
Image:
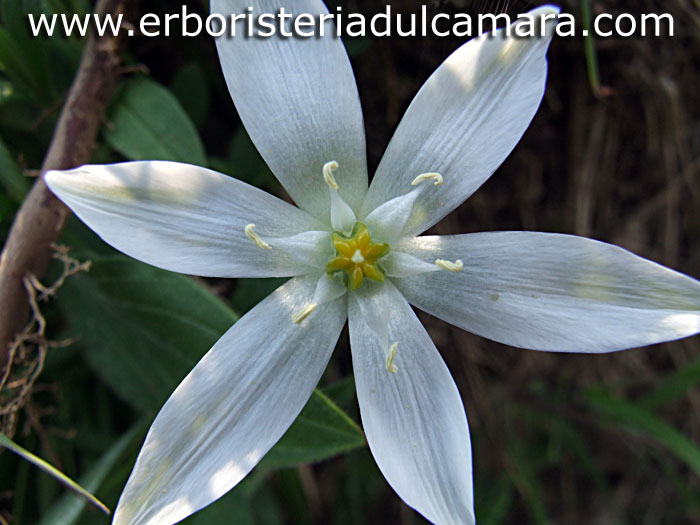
{"x":39,"y":221}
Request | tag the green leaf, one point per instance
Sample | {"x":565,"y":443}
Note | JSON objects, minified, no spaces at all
{"x":146,"y":122}
{"x":640,"y":421}
{"x":525,"y":466}
{"x":26,"y":59}
{"x":69,"y":508}
{"x":589,"y":47}
{"x":11,"y":176}
{"x":51,"y":470}
{"x":250,"y":292}
{"x":190,"y":87}
{"x":673,"y":386}
{"x":233,"y":507}
{"x":322,"y":430}
{"x":142,"y":328}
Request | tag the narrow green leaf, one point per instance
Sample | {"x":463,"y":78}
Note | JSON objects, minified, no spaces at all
{"x":640,"y":421}
{"x":69,"y":508}
{"x":673,"y":386}
{"x":496,"y":509}
{"x":524,"y":467}
{"x":146,"y":122}
{"x":233,"y":507}
{"x":25,"y":58}
{"x":322,"y":430}
{"x":589,"y":47}
{"x":51,"y":470}
{"x":11,"y":176}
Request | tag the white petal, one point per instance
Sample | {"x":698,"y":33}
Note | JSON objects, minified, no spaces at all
{"x":553,"y":292}
{"x":232,"y":407}
{"x":388,"y":220}
{"x":328,"y":288}
{"x":463,"y":123}
{"x":414,"y":419}
{"x":313,"y":248}
{"x":183,"y":218}
{"x":298,"y":100}
{"x":398,"y":264}
{"x":342,"y":215}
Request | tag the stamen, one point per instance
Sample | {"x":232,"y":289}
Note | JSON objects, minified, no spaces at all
{"x":250,"y":232}
{"x":298,"y":317}
{"x":450,"y":266}
{"x":328,"y":169}
{"x":390,"y":366}
{"x":327,"y":289}
{"x":427,"y":176}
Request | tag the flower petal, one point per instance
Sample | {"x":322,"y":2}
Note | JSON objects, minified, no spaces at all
{"x":183,"y":218}
{"x":464,"y":122}
{"x":232,"y":407}
{"x":553,"y":292}
{"x":414,"y":419}
{"x":298,"y":100}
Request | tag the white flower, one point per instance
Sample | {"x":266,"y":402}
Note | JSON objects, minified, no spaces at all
{"x":298,"y":101}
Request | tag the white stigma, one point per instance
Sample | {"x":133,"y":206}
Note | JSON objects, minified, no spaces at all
{"x":450,"y":266}
{"x":390,"y":366}
{"x":357,"y":257}
{"x":328,"y":169}
{"x":427,"y":176}
{"x":250,"y":232}
{"x":299,"y":317}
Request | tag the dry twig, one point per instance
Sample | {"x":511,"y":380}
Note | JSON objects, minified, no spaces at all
{"x":28,"y":350}
{"x":39,"y":221}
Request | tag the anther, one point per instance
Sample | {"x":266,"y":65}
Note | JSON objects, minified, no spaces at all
{"x":299,"y":317}
{"x":450,"y":266}
{"x":328,"y":169}
{"x":427,"y":176}
{"x":390,"y":366}
{"x":250,"y":232}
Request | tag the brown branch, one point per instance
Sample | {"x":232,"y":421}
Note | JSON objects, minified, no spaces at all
{"x":41,"y":217}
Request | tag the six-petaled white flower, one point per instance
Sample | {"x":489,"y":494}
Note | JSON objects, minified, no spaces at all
{"x":354,"y":254}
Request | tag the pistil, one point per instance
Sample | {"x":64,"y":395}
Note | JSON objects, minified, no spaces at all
{"x":357,"y":256}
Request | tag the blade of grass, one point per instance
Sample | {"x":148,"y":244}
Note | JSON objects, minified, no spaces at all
{"x":589,"y":47}
{"x":51,"y":470}
{"x":524,"y":469}
{"x":68,"y":509}
{"x":673,"y":386}
{"x":638,"y":420}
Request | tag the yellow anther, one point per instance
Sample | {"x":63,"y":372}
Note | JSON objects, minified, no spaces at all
{"x":390,"y":366}
{"x":250,"y":232}
{"x":428,"y":176}
{"x":450,"y":266}
{"x":328,"y":169}
{"x":299,"y":317}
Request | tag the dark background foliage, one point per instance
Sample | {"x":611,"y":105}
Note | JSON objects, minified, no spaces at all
{"x":557,"y":438}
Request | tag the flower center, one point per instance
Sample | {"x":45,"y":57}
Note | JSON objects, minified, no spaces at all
{"x":357,"y":256}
